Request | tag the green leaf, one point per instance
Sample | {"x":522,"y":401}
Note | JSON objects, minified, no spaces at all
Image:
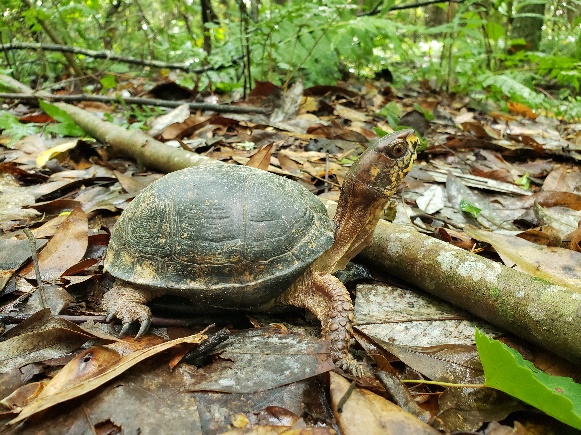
{"x":494,"y":31}
{"x":65,"y":129}
{"x":380,"y":132}
{"x":108,"y":81}
{"x":54,"y":112}
{"x":506,"y":370}
{"x":427,"y":114}
{"x":67,"y":126}
{"x":392,"y":113}
{"x":11,"y":127}
{"x":523,"y":181}
{"x":472,"y":210}
{"x":8,"y":120}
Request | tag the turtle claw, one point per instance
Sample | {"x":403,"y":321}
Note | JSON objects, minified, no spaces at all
{"x":350,"y":365}
{"x":144,"y":327}
{"x":124,"y":328}
{"x":110,"y":317}
{"x":127,"y":305}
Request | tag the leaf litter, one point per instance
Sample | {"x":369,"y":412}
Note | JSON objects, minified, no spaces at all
{"x":71,"y":193}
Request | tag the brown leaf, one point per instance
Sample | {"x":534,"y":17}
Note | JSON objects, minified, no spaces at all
{"x":261,"y":159}
{"x":134,"y":184}
{"x":557,"y":265}
{"x":367,"y":413}
{"x":76,"y":381}
{"x":38,"y":338}
{"x":263,"y":90}
{"x":553,"y":199}
{"x":80,"y":266}
{"x":575,"y":243}
{"x":545,"y":235}
{"x":322,"y":90}
{"x":288,"y":164}
{"x":180,"y":130}
{"x":330,"y":132}
{"x":56,"y":206}
{"x":23,"y":395}
{"x":563,"y":178}
{"x":521,"y":109}
{"x":65,"y":249}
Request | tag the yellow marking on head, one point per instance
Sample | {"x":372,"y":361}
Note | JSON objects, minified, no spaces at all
{"x":412,"y":140}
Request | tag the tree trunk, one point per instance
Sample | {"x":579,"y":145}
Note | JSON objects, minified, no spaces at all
{"x":528,"y":25}
{"x":208,"y":16}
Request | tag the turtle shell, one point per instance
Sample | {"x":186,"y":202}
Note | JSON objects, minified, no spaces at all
{"x":224,"y":235}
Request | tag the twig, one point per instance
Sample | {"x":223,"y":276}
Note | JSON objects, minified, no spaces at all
{"x":163,"y":322}
{"x":195,"y":356}
{"x":39,"y":283}
{"x":441,"y":384}
{"x":222,"y":108}
{"x":400,"y":395}
{"x":114,"y":57}
{"x":377,"y":8}
{"x":54,"y":36}
{"x":346,"y":396}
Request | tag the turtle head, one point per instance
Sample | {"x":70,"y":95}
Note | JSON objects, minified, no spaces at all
{"x":381,"y":168}
{"x":367,"y":188}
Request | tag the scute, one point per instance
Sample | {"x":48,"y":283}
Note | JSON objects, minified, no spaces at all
{"x":231,"y":236}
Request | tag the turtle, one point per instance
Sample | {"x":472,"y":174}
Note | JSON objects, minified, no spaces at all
{"x":235,"y":237}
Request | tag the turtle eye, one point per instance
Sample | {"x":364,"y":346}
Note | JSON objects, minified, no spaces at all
{"x":397,"y":150}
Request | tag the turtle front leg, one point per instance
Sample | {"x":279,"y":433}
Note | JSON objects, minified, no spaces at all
{"x":129,"y":304}
{"x":328,"y":299}
{"x":336,"y":316}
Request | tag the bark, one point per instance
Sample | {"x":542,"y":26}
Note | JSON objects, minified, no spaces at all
{"x":135,"y":143}
{"x":541,"y":312}
{"x":208,"y":16}
{"x":528,"y":24}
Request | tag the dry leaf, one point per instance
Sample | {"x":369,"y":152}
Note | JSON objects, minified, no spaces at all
{"x":557,"y":265}
{"x":367,"y":413}
{"x":261,"y":159}
{"x":72,"y":390}
{"x":65,"y":249}
{"x":41,"y":337}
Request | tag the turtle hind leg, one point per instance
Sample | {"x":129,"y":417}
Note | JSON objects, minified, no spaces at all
{"x":128,"y":303}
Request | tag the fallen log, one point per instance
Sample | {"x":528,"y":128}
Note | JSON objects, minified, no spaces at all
{"x":536,"y":310}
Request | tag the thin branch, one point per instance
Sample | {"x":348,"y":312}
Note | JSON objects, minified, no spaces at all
{"x":221,"y":108}
{"x":377,"y":8}
{"x":39,"y":284}
{"x":421,"y":4}
{"x":114,"y":57}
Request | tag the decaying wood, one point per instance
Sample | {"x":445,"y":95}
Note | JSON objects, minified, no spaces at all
{"x":135,"y":143}
{"x":541,"y":312}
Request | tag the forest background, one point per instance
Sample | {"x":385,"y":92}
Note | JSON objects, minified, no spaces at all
{"x":521,"y":51}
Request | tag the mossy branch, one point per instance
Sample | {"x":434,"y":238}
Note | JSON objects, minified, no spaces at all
{"x":541,"y":312}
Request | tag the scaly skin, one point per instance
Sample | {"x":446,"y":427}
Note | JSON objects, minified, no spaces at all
{"x":367,"y":188}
